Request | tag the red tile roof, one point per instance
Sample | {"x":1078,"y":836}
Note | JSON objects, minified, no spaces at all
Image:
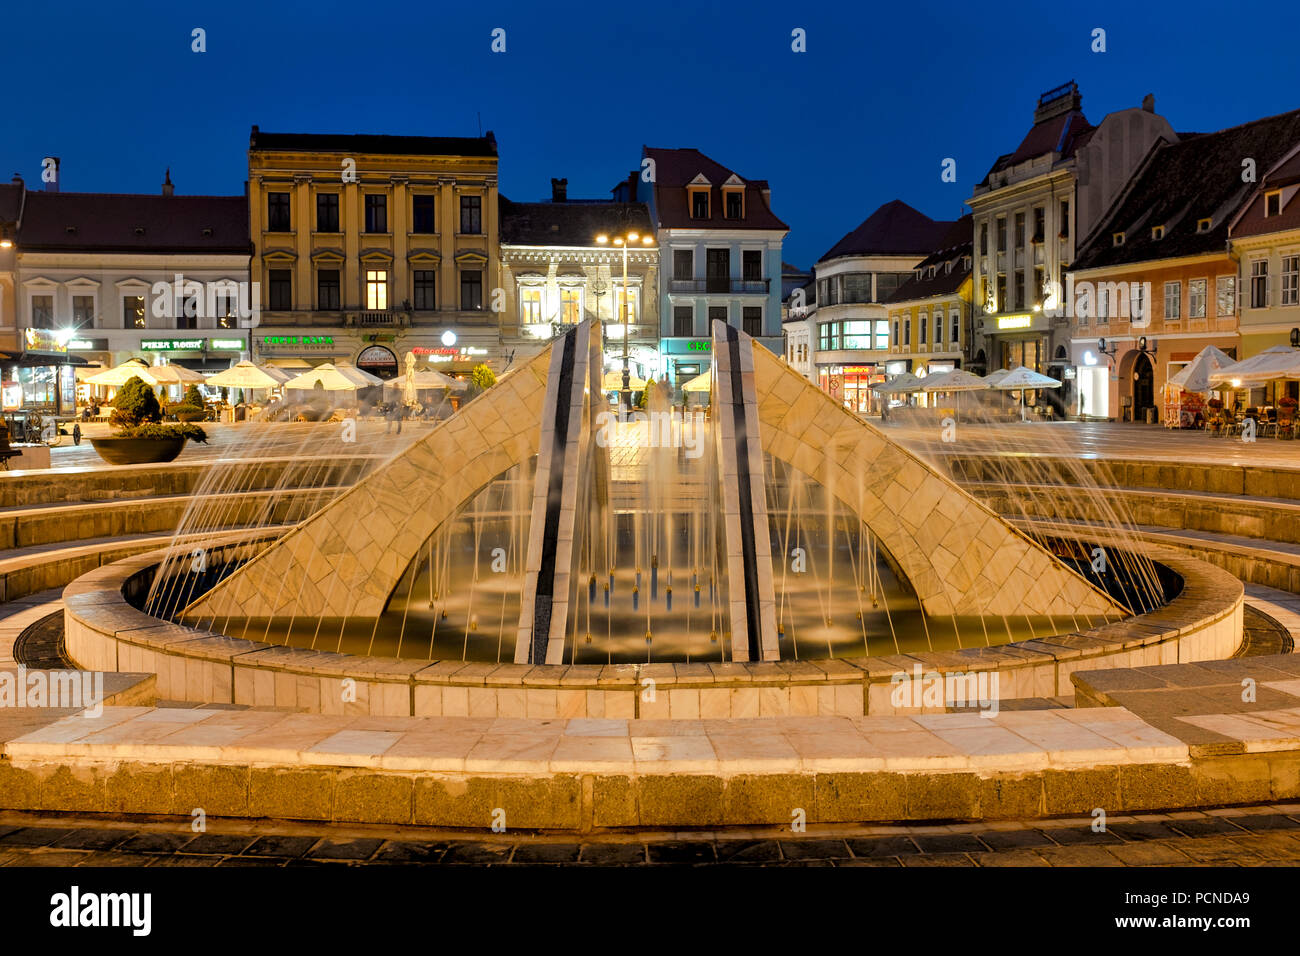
{"x":894,"y":229}
{"x":674,"y":168}
{"x":1253,"y":222}
{"x":110,"y":222}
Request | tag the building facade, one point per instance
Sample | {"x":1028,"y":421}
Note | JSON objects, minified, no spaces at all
{"x":1029,"y":211}
{"x":1265,"y":242}
{"x":1156,"y":280}
{"x":101,"y":278}
{"x":854,"y":344}
{"x":720,"y":247}
{"x":930,"y":314}
{"x":556,"y":274}
{"x":369,"y":247}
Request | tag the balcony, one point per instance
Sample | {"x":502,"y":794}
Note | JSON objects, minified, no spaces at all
{"x":721,"y":285}
{"x":381,"y":319}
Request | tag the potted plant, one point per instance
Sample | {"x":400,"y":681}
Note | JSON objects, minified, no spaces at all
{"x":192,"y":409}
{"x":141,"y":438}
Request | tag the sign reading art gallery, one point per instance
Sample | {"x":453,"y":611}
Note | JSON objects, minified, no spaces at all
{"x":378,"y":360}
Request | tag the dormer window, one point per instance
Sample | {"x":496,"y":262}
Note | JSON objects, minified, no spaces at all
{"x":1157,"y":232}
{"x":699,"y":204}
{"x":1117,"y":239}
{"x":1203,"y":225}
{"x":1273,"y":203}
{"x":734,"y":200}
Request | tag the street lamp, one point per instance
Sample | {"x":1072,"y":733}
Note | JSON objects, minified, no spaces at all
{"x":626,"y":240}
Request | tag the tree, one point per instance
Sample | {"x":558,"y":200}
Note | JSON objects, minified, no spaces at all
{"x":482,"y":377}
{"x":645,"y":394}
{"x":193,"y":397}
{"x":135,"y":404}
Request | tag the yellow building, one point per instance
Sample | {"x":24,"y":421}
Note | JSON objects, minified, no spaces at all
{"x":930,"y":314}
{"x":370,"y":247}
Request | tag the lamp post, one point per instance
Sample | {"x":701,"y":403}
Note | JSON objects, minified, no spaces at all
{"x":625,"y":397}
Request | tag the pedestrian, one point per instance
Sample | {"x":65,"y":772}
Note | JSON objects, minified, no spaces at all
{"x":76,"y":433}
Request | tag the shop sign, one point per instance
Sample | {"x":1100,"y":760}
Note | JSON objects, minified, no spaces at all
{"x":1015,"y":322}
{"x":226,"y":345}
{"x":449,"y":353}
{"x":378,"y":361}
{"x":297,"y":340}
{"x":88,"y":345}
{"x":172,"y":345}
{"x":703,"y":345}
{"x":45,"y":340}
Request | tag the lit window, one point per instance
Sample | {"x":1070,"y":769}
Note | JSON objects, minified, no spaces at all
{"x":571,"y":305}
{"x":1197,"y":293}
{"x":1291,"y":280}
{"x":1226,"y":294}
{"x":530,"y":306}
{"x":376,"y":289}
{"x":1273,"y":203}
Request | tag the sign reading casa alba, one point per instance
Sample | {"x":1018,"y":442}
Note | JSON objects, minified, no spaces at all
{"x":1015,"y":321}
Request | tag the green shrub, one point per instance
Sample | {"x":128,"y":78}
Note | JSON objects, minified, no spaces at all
{"x":135,"y":404}
{"x":156,"y":431}
{"x":482,"y":377}
{"x":194,"y":397}
{"x":188,"y":412}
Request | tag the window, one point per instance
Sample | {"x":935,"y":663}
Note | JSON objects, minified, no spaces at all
{"x":717,"y":313}
{"x":1117,"y":239}
{"x":1203,"y":225}
{"x":1065,"y":219}
{"x":1020,"y":230}
{"x":1173,"y":301}
{"x":887,"y":284}
{"x":1197,"y":294}
{"x":683,"y":320}
{"x":1158,"y":232}
{"x":133,"y":312}
{"x":376,"y":212}
{"x":683,"y":263}
{"x":1259,"y":284}
{"x":328,"y":287}
{"x":1273,"y":203}
{"x":422,"y":214}
{"x":923,"y":327}
{"x":277,"y":212}
{"x":327,"y":212}
{"x":42,"y":311}
{"x":1001,"y":293}
{"x":279,"y":290}
{"x":1040,"y":280}
{"x":530,"y":306}
{"x":187,"y":312}
{"x":425,"y":290}
{"x":735,"y":204}
{"x":471,"y":215}
{"x":699,"y":204}
{"x":938,"y":328}
{"x":828,"y":336}
{"x":856,"y":334}
{"x":857,"y":287}
{"x":570,"y":305}
{"x":984,"y":238}
{"x":1137,"y":304}
{"x":83,"y":311}
{"x":895,"y":333}
{"x":751,"y":318}
{"x":1020,"y":289}
{"x":224,"y":303}
{"x":1103,"y":300}
{"x":1040,"y":224}
{"x":1291,"y":280}
{"x":633,"y":301}
{"x":751,"y":264}
{"x":471,"y":290}
{"x":1226,"y":293}
{"x":956,"y":329}
{"x":1002,"y":234}
{"x":376,"y":289}
{"x":881,"y":342}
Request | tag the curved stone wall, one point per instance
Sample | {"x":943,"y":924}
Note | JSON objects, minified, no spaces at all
{"x":104,"y":632}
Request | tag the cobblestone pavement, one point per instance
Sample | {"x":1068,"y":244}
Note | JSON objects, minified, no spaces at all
{"x":1254,"y":836}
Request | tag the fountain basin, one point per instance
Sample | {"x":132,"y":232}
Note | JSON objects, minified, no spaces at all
{"x":105,"y":631}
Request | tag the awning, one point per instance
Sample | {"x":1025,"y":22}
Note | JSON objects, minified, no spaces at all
{"x":38,"y":359}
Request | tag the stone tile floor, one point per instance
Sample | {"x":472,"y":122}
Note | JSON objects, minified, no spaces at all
{"x":1232,"y":837}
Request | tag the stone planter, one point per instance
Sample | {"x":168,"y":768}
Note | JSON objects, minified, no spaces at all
{"x":138,"y":451}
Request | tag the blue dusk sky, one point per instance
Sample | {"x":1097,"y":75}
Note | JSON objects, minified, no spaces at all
{"x":882,"y":96}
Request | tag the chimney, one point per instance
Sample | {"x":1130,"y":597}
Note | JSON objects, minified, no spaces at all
{"x":50,"y":173}
{"x":633,"y":178}
{"x":559,"y":190}
{"x":17,"y":180}
{"x":491,"y":138}
{"x":168,"y":188}
{"x":1149,"y":103}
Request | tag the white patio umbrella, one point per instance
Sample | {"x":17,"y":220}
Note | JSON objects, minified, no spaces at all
{"x":1020,"y":379}
{"x":175,"y":375}
{"x":247,"y":375}
{"x":613,"y":381}
{"x":1279,"y":362}
{"x":899,"y":384}
{"x":701,"y":383}
{"x":289,"y":363}
{"x":957,"y":380}
{"x":1195,"y":376}
{"x":334,"y":378}
{"x":121,"y":374}
{"x":992,"y":378}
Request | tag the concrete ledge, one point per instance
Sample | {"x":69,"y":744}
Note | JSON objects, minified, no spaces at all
{"x":1204,"y":622}
{"x":584,"y":775}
